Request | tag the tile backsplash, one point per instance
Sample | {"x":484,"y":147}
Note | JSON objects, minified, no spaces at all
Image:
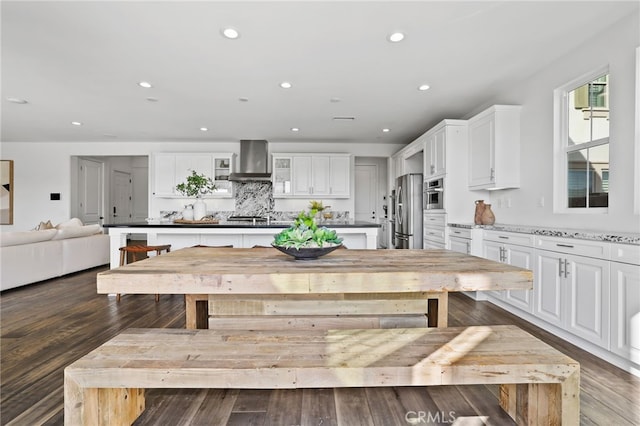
{"x":253,"y":198}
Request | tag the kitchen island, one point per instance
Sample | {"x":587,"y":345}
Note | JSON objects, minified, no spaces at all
{"x":355,"y":234}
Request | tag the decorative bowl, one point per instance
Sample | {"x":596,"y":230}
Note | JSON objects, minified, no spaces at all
{"x":308,"y":253}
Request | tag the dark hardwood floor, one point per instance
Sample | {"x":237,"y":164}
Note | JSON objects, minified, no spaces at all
{"x":46,"y":326}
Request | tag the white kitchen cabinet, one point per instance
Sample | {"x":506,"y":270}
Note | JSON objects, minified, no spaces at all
{"x":494,"y":148}
{"x":572,"y":291}
{"x":340,"y":176}
{"x":625,"y":302}
{"x":282,"y":176}
{"x":625,"y":311}
{"x":318,"y":175}
{"x":460,"y":240}
{"x":170,"y":169}
{"x":223,"y":166}
{"x":513,"y":249}
{"x":435,"y":153}
{"x":163,"y":169}
{"x":434,"y":227}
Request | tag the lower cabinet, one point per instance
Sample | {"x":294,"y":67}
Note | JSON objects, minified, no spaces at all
{"x":572,"y":292}
{"x":434,"y":227}
{"x":516,"y":250}
{"x":625,"y":311}
{"x":590,"y":289}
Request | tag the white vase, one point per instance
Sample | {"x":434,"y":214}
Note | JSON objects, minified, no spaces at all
{"x":187,"y":213}
{"x":199,"y":209}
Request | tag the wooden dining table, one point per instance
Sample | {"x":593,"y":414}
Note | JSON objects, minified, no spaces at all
{"x":253,"y":287}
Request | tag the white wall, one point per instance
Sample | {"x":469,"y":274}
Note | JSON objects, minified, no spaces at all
{"x":44,"y":167}
{"x":617,"y":48}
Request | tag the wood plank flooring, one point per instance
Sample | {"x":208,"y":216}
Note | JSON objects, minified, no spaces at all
{"x":46,"y":326}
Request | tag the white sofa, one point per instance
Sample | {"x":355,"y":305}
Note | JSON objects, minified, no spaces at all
{"x":31,"y":256}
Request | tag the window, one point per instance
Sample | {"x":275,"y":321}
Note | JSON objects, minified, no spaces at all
{"x":583,"y":144}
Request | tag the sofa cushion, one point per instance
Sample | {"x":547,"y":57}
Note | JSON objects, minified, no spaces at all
{"x":76,"y":231}
{"x":15,"y":238}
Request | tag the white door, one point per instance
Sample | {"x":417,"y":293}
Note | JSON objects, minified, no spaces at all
{"x":366,"y":185}
{"x":90,"y":191}
{"x":121,"y":209}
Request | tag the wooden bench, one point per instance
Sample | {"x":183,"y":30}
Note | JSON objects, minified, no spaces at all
{"x":539,"y":385}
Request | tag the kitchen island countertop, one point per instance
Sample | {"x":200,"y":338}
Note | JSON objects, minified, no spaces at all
{"x":241,"y":224}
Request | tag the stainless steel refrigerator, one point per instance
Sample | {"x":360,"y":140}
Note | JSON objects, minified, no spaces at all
{"x":408,"y":226}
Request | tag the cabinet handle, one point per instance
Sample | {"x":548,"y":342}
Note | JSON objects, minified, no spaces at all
{"x":503,"y":237}
{"x":468,"y":248}
{"x":493,"y":174}
{"x":457,"y":232}
{"x":564,"y":245}
{"x":560,"y":271}
{"x":566,"y":268}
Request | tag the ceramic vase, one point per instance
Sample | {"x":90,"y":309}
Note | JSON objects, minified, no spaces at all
{"x":199,"y":209}
{"x":480,"y":206}
{"x":488,"y":218}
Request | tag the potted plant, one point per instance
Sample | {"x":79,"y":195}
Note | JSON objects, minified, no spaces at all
{"x":197,"y":185}
{"x":305,"y":239}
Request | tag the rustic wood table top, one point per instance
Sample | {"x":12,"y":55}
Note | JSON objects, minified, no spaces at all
{"x":206,"y":270}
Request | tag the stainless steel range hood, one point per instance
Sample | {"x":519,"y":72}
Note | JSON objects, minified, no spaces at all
{"x":254,"y":160}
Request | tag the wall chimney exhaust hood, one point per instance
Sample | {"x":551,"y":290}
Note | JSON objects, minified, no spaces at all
{"x":254,"y":159}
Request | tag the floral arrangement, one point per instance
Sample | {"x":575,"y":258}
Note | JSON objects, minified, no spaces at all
{"x":197,"y":185}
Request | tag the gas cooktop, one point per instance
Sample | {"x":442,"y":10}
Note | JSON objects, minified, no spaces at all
{"x":246,"y":218}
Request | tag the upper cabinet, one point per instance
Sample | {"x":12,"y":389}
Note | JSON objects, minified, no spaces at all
{"x":319,"y":175}
{"x":435,"y":154}
{"x":170,"y":169}
{"x":494,"y":148}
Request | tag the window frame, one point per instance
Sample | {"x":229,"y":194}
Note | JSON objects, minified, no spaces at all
{"x":561,"y":149}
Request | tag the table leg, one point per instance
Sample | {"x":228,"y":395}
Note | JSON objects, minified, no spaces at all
{"x":197,"y":311}
{"x":438,"y":309}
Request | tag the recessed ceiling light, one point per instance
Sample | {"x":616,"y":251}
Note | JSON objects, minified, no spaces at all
{"x":386,"y":130}
{"x":204,"y":129}
{"x":295,"y":129}
{"x":145,"y":84}
{"x":285,"y":85}
{"x":396,"y":37}
{"x":76,"y":123}
{"x":423,"y":87}
{"x":230,"y":33}
{"x":16,"y":100}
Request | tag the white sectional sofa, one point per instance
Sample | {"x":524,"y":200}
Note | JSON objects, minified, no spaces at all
{"x":30,"y":256}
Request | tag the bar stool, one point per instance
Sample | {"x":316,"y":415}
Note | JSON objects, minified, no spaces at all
{"x":135,"y":250}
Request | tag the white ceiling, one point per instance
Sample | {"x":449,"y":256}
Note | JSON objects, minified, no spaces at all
{"x":81,"y":61}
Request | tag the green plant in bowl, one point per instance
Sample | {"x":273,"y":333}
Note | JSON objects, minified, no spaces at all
{"x":305,"y":233}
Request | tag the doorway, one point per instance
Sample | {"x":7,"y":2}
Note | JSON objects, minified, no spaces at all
{"x":122,"y":190}
{"x":100,"y":183}
{"x":90,"y":191}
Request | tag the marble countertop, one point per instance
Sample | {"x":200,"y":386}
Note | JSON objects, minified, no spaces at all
{"x":608,"y":236}
{"x":239,"y":224}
